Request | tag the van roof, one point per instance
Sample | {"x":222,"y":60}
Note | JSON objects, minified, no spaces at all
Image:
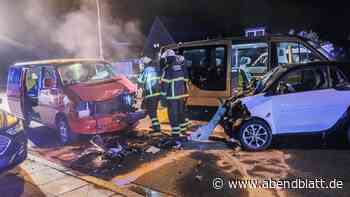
{"x":56,"y":61}
{"x":240,"y":38}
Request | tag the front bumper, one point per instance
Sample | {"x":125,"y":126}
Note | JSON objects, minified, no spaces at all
{"x":15,"y":153}
{"x":106,"y":123}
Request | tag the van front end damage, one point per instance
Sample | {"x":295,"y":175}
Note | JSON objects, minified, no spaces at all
{"x":115,"y":114}
{"x":236,"y":114}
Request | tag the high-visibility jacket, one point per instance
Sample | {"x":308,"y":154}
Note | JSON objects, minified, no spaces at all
{"x":149,"y":80}
{"x":174,"y":81}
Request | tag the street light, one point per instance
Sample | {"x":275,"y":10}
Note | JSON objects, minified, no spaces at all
{"x":99,"y":28}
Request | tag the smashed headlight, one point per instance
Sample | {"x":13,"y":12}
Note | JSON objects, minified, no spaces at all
{"x":83,"y":109}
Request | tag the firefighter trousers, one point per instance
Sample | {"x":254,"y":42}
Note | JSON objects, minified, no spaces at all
{"x":176,"y":113}
{"x":186,"y":124}
{"x":151,"y":105}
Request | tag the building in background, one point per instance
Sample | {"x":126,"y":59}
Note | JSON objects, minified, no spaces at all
{"x":256,"y":31}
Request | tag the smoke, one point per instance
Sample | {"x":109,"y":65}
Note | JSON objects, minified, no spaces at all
{"x":63,"y":27}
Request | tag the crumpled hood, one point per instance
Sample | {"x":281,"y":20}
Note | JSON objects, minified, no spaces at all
{"x":103,"y":90}
{"x":253,"y":101}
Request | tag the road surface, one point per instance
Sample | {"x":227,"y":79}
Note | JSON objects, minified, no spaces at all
{"x":192,"y":170}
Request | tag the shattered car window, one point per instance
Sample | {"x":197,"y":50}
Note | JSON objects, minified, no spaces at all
{"x":86,"y":72}
{"x":271,"y":76}
{"x":321,"y":50}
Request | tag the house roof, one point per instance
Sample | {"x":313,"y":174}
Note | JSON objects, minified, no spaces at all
{"x":167,"y":30}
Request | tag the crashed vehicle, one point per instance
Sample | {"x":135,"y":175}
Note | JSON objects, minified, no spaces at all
{"x":75,"y":96}
{"x":13,"y":142}
{"x":225,"y":67}
{"x":312,"y":98}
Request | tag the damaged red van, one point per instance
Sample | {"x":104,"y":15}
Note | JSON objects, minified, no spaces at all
{"x":75,"y":96}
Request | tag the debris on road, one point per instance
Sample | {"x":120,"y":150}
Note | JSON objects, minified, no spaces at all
{"x":203,"y":132}
{"x":199,"y":178}
{"x":152,"y":150}
{"x":112,"y":155}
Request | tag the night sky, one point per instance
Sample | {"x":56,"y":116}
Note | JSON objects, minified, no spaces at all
{"x":329,"y":18}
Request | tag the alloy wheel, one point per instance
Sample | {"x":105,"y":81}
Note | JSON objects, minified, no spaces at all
{"x":255,"y":136}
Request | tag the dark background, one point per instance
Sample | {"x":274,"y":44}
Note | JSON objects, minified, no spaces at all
{"x":330,"y":19}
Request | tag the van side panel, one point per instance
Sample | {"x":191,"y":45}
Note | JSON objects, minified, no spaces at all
{"x":14,"y":91}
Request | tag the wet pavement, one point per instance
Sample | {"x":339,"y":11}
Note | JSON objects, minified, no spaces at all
{"x":185,"y":172}
{"x":176,"y":172}
{"x":35,"y":179}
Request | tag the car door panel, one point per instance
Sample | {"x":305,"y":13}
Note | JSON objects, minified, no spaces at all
{"x":305,"y":111}
{"x":195,"y":60}
{"x":338,"y":103}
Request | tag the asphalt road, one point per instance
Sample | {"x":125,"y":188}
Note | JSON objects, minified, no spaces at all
{"x":191,"y":171}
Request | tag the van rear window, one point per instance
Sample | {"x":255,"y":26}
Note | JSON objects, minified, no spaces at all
{"x":14,"y":81}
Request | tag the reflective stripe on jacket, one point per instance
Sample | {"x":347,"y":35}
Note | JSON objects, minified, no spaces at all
{"x":149,"y":80}
{"x":174,"y":79}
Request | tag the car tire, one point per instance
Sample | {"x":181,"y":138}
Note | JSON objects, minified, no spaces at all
{"x":66,"y":135}
{"x":255,"y":135}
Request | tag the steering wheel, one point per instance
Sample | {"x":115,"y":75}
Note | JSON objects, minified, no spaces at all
{"x":284,"y":88}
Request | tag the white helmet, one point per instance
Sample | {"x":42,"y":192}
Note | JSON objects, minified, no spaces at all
{"x":145,"y":60}
{"x":168,"y":53}
{"x":180,"y":59}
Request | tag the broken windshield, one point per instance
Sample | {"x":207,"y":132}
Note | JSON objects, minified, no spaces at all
{"x":321,"y":50}
{"x":85,"y":72}
{"x":268,"y":79}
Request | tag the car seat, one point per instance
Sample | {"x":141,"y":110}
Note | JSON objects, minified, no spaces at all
{"x":320,"y":81}
{"x":309,"y":81}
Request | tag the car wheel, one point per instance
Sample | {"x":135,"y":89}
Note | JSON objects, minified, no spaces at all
{"x":255,"y":135}
{"x":67,"y":136}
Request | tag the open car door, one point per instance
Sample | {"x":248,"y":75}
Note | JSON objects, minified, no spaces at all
{"x":15,"y":91}
{"x":209,"y":67}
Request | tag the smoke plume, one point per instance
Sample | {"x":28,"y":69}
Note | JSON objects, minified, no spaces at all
{"x":69,"y":29}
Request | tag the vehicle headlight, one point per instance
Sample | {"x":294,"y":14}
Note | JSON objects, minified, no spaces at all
{"x":4,"y":144}
{"x":83,"y":109}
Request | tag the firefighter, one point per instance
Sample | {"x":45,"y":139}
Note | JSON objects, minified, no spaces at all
{"x":185,"y":122}
{"x":149,"y":81}
{"x":174,"y":89}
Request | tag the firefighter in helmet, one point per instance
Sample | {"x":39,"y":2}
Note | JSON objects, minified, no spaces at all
{"x":149,"y":81}
{"x":174,"y":88}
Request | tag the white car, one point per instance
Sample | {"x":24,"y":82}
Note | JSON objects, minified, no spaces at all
{"x":305,"y":98}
